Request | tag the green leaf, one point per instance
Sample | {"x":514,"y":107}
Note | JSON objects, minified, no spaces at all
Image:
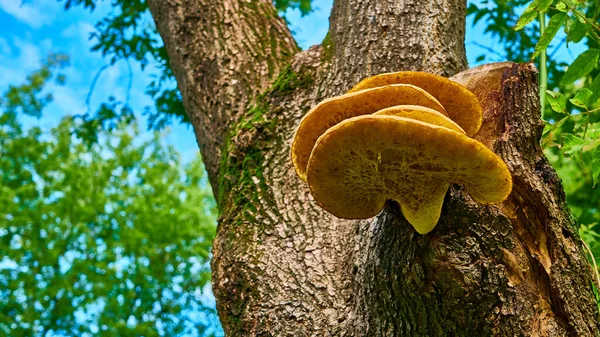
{"x":596,"y":164}
{"x":582,"y":66}
{"x":125,"y":199}
{"x":556,"y":21}
{"x":561,"y":6}
{"x":557,"y":101}
{"x":580,"y":122}
{"x":572,"y":144}
{"x":526,"y":18}
{"x":582,"y":99}
{"x":579,"y":15}
{"x":577,"y":31}
{"x":595,"y":89}
{"x":480,"y":14}
{"x":549,"y":128}
{"x":472,"y":9}
{"x":542,"y":5}
{"x":531,"y":12}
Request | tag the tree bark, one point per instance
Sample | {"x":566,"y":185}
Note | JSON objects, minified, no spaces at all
{"x":223,"y":53}
{"x":284,"y":267}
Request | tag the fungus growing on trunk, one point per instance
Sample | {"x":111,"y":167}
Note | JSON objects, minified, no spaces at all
{"x":390,"y":138}
{"x":461,"y":104}
{"x":360,"y":163}
{"x":334,"y":110}
{"x":422,"y":114}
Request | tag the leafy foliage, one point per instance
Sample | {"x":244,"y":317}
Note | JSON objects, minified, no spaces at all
{"x":128,"y":33}
{"x":304,"y":6}
{"x":110,"y":238}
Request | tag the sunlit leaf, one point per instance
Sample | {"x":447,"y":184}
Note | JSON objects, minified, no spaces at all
{"x":532,"y":11}
{"x":557,"y":101}
{"x":572,"y":144}
{"x":583,"y":64}
{"x":556,"y":21}
{"x":577,"y":31}
{"x":526,"y":17}
{"x":582,"y":98}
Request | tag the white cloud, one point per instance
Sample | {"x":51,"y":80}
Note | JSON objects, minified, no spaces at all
{"x":35,"y":13}
{"x":14,"y":67}
{"x":30,"y":55}
{"x":79,"y":31}
{"x":5,"y":49}
{"x":69,"y":100}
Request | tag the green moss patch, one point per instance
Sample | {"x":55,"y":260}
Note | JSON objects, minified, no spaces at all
{"x":242,"y":156}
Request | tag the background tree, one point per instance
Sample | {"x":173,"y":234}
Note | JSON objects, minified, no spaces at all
{"x":106,"y":236}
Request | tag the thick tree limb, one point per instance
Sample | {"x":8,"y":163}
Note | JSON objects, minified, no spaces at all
{"x":223,"y":53}
{"x":372,"y":37}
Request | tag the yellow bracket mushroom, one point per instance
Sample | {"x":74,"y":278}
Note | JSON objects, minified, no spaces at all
{"x":334,"y":110}
{"x":363,"y":161}
{"x":388,"y":139}
{"x":460,"y":103}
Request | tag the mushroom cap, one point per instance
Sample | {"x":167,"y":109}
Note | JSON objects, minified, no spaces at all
{"x":422,"y":114}
{"x":461,"y":104}
{"x":363,"y":161}
{"x":336,"y":109}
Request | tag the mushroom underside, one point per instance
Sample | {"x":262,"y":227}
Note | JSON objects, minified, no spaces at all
{"x":363,"y":161}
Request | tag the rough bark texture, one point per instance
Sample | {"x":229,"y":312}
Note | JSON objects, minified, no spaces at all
{"x":284,"y":267}
{"x":223,"y":53}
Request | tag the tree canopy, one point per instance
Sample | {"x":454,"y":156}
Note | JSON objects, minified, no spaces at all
{"x":108,"y":236}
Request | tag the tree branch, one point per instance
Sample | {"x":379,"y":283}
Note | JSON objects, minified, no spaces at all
{"x":372,"y":37}
{"x":222,"y":53}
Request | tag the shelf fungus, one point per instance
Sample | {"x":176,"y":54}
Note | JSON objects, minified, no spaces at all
{"x":460,"y":103}
{"x":422,"y":114}
{"x":397,"y":142}
{"x":334,"y":110}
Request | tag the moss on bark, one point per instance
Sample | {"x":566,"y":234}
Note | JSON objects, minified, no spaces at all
{"x":242,"y":155}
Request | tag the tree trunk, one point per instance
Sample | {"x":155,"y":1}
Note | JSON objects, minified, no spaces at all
{"x":284,"y":267}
